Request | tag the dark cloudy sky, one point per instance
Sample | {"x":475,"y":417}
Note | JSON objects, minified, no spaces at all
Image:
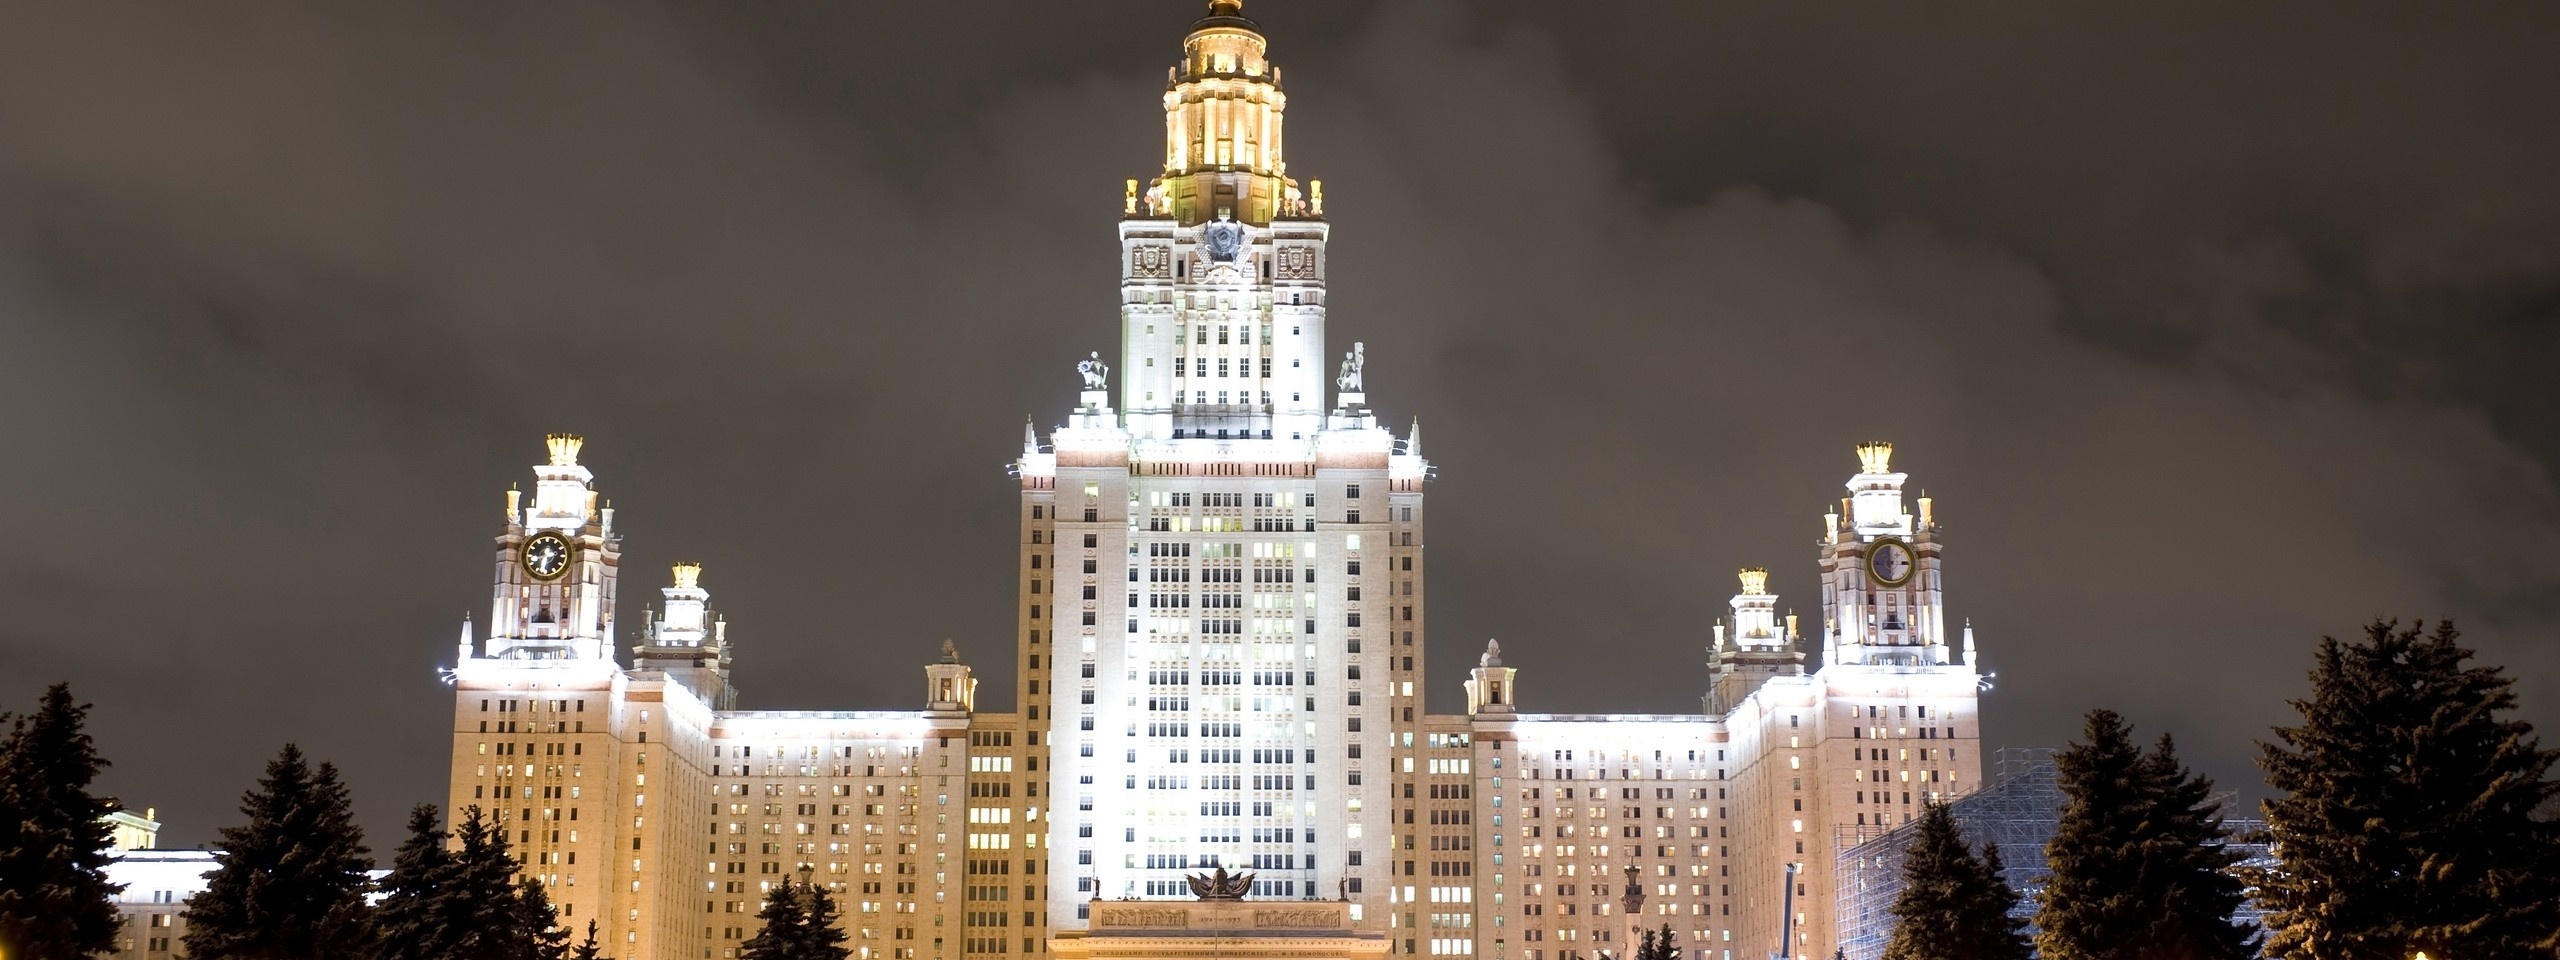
{"x":2213,"y":327}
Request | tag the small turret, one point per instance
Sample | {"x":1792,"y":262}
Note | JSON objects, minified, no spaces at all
{"x":1491,"y":688}
{"x":687,"y":641}
{"x":1756,"y":650}
{"x":949,"y":686}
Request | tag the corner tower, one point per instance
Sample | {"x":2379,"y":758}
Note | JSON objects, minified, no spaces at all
{"x":1881,"y":595}
{"x":1755,"y":649}
{"x":1221,"y":602}
{"x":557,"y":564}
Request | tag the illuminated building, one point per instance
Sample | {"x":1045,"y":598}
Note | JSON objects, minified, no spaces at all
{"x":1221,"y":619}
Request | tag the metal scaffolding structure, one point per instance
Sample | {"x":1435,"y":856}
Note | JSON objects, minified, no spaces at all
{"x":2018,"y":811}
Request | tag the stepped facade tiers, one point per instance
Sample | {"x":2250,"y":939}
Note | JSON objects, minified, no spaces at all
{"x":1221,"y":622}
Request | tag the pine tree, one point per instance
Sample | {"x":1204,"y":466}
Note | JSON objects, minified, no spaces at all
{"x":2194,"y":867}
{"x":2140,"y":862}
{"x":1952,"y":906}
{"x":537,"y":923}
{"x":824,"y":937}
{"x":785,"y":915}
{"x":588,"y":949}
{"x":419,"y":916}
{"x":500,"y":917}
{"x":55,"y":901}
{"x":290,"y":883}
{"x":800,"y":923}
{"x":1658,"y":945}
{"x":1996,"y":933}
{"x":2406,"y":819}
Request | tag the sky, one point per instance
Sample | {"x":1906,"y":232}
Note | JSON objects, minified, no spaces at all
{"x":2212,"y":329}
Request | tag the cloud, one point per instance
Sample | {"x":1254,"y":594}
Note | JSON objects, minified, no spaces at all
{"x":292,"y":293}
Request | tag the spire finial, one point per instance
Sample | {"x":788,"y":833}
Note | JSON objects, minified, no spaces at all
{"x":1226,"y":8}
{"x":1755,"y":580}
{"x":1875,"y":456}
{"x":564,"y":448}
{"x":1492,"y":654}
{"x":950,"y":653}
{"x":687,"y":575}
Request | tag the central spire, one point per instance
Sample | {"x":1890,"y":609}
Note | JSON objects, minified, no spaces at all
{"x":1222,"y":112}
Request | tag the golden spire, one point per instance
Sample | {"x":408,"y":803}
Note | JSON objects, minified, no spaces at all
{"x":564,"y":448}
{"x":1755,"y":580}
{"x":1223,"y":142}
{"x":687,"y":575}
{"x":1876,"y":456}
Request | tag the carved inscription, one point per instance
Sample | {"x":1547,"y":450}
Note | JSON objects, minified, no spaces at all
{"x":1294,"y":918}
{"x":1142,"y":917}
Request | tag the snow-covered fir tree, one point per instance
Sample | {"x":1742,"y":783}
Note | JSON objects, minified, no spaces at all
{"x":2141,"y":865}
{"x":2411,"y":809}
{"x":290,"y":883}
{"x":1954,"y":905}
{"x":55,"y":900}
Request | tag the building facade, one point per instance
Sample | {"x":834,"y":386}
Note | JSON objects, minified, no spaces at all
{"x":1220,"y":624}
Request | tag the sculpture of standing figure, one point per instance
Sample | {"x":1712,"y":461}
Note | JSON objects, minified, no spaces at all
{"x":1096,"y":373}
{"x":1349,"y":382}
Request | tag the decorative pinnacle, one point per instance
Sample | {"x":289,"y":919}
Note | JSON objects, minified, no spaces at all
{"x":687,"y":574}
{"x":1876,"y":456}
{"x":1755,"y":580}
{"x":1492,"y":654}
{"x":950,"y":653}
{"x":564,"y":448}
{"x":1226,"y":8}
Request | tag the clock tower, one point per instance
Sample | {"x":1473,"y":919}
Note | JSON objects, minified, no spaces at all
{"x":1881,"y":600}
{"x":555,"y":568}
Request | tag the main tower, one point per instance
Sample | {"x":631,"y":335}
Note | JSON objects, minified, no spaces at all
{"x":1220,"y":608}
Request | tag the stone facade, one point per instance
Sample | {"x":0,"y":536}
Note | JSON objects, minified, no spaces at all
{"x":1221,"y":621}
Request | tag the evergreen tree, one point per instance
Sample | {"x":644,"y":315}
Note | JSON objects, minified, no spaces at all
{"x":2141,"y":866}
{"x":498,"y":916}
{"x":290,"y":883}
{"x":420,"y":915}
{"x":824,"y":937}
{"x":1658,"y":945}
{"x":588,"y":949}
{"x":2406,"y":816}
{"x":1996,"y":933}
{"x":1952,"y":906}
{"x":55,"y":901}
{"x":800,"y":923}
{"x":785,"y":916}
{"x":2194,"y":867}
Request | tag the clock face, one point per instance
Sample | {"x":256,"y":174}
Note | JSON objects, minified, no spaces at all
{"x":1889,"y":561}
{"x":546,"y":557}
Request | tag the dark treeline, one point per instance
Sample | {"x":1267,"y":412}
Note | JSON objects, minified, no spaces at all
{"x":2409,"y":817}
{"x":293,"y":880}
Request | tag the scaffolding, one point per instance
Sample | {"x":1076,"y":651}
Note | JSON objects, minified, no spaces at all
{"x":2018,"y":812}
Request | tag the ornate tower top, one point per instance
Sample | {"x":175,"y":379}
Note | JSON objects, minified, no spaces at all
{"x":1491,"y":687}
{"x":1875,"y":456}
{"x":1222,"y":112}
{"x":1755,"y":580}
{"x":1875,"y":505}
